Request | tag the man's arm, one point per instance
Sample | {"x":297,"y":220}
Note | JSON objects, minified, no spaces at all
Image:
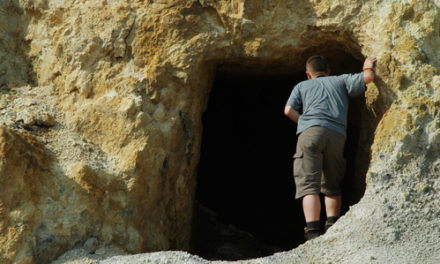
{"x":368,"y":69}
{"x":291,"y":113}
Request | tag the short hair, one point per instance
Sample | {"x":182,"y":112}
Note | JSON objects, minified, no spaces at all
{"x":317,"y":63}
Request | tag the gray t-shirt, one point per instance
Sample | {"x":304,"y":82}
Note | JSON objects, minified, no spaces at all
{"x":323,"y":101}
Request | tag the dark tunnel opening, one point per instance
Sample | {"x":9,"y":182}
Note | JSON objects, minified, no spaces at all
{"x":245,"y":206}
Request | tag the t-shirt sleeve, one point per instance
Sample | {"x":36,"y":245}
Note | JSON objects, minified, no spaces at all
{"x":354,"y":83}
{"x":295,"y":100}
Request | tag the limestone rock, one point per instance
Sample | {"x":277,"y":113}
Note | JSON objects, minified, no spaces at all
{"x":45,"y":119}
{"x":28,"y":119}
{"x":23,"y":175}
{"x":127,"y":83}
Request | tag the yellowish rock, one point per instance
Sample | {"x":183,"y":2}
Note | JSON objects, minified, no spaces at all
{"x":131,"y":80}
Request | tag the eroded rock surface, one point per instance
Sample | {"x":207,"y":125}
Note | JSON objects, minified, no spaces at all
{"x":122,"y":86}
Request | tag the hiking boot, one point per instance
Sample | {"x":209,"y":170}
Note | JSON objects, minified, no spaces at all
{"x":311,"y":233}
{"x":327,"y":226}
{"x":330,"y":221}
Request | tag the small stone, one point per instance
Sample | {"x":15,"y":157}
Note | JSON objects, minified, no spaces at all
{"x":45,"y":119}
{"x":28,"y":119}
{"x":91,"y":245}
{"x":3,"y":103}
{"x":29,"y":102}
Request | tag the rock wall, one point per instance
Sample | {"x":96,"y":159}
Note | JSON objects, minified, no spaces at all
{"x":126,"y":83}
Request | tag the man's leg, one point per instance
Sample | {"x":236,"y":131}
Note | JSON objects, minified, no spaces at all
{"x":312,"y":210}
{"x":334,"y":171}
{"x":308,"y":171}
{"x":332,"y":205}
{"x":332,"y":209}
{"x":312,"y":207}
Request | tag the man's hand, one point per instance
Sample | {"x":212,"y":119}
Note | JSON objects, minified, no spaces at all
{"x":368,"y":69}
{"x":369,"y":63}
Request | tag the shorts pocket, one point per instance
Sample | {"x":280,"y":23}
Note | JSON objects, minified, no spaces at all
{"x":297,"y":164}
{"x":298,"y":155}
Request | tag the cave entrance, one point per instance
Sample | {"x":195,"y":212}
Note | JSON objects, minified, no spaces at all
{"x":245,"y":206}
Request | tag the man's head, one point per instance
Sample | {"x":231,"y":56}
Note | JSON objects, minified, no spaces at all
{"x":317,"y":66}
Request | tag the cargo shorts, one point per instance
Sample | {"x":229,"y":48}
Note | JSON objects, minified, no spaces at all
{"x":319,"y":164}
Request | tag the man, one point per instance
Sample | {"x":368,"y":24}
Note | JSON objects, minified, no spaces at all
{"x":319,"y":106}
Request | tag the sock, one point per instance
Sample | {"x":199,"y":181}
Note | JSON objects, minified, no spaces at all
{"x":314,"y":225}
{"x":332,"y":219}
